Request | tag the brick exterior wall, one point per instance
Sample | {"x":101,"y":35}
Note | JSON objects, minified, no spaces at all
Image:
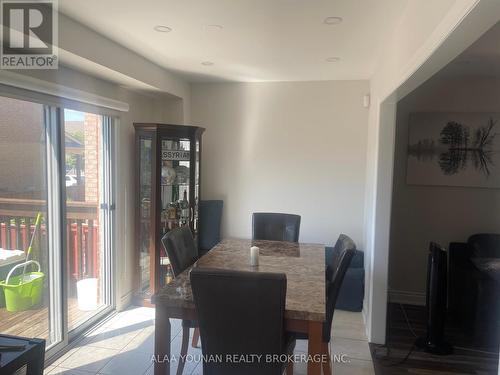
{"x":22,"y":150}
{"x":92,"y":128}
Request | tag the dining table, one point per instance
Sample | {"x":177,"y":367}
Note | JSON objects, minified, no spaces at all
{"x":305,"y":310}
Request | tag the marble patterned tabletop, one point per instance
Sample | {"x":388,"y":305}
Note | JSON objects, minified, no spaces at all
{"x":303,"y":264}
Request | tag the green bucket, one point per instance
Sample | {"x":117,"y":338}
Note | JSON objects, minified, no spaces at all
{"x":23,"y":292}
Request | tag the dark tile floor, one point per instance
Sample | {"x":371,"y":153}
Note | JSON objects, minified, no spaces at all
{"x":400,"y":339}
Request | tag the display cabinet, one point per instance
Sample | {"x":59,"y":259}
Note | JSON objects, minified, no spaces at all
{"x":168,"y":161}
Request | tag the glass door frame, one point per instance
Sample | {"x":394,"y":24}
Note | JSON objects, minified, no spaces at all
{"x":53,"y":114}
{"x":55,"y":213}
{"x":107,"y":217}
{"x":153,"y":268}
{"x":58,"y":312}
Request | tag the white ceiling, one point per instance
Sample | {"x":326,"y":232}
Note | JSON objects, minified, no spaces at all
{"x":261,"y":40}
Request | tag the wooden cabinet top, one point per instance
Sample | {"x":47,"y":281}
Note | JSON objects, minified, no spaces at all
{"x":179,"y":130}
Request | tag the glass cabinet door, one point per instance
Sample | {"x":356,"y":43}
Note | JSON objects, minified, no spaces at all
{"x":145,"y":196}
{"x":176,"y":208}
{"x":195,"y":220}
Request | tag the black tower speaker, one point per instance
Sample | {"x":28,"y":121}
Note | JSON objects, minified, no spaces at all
{"x":436,"y":303}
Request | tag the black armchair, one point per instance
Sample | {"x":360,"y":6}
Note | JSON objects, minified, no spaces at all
{"x":474,"y":287}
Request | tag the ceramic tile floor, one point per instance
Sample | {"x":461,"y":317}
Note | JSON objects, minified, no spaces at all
{"x":124,"y":345}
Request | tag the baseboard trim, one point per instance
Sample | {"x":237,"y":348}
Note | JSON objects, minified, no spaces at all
{"x":125,"y":301}
{"x":407,"y":298}
{"x":364,"y":315}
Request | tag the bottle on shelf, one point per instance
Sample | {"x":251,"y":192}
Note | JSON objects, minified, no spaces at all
{"x":169,"y":276}
{"x":194,"y":218}
{"x":164,"y":220}
{"x":172,"y":211}
{"x":184,"y":208}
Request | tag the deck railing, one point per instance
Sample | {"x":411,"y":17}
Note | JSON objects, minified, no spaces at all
{"x":17,"y":219}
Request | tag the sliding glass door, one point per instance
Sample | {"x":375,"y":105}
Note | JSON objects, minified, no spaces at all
{"x":88,"y":219}
{"x":27,"y":293}
{"x":56,"y":220}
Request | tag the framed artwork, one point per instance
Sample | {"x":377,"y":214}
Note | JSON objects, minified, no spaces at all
{"x":454,"y":149}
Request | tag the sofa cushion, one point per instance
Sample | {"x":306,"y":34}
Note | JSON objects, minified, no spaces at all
{"x":352,"y":292}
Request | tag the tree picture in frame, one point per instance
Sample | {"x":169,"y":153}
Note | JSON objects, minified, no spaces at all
{"x":454,"y":149}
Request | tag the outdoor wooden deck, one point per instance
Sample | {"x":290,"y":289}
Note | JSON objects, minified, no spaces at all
{"x":35,"y":323}
{"x":17,"y":223}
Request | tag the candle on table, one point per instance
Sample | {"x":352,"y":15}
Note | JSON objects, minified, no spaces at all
{"x":254,"y":256}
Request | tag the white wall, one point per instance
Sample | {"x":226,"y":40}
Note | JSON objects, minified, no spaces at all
{"x":428,"y":36}
{"x":438,"y":213}
{"x":285,"y":147}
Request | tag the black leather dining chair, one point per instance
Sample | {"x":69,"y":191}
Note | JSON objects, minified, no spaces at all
{"x":182,"y":253}
{"x":332,"y":259}
{"x":275,"y":226}
{"x":332,"y":292}
{"x":241,"y":313}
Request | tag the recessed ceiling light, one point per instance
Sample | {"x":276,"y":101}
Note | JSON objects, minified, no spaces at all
{"x":215,"y":27}
{"x":332,"y":20}
{"x":162,"y":29}
{"x":332,"y":59}
{"x":207,"y":63}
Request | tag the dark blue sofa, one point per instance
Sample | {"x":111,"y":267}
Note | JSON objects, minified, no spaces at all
{"x":210,"y":224}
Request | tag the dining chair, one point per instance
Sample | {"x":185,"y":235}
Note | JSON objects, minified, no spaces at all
{"x":332,"y":292}
{"x":275,"y":226}
{"x":182,"y":253}
{"x":332,"y":258}
{"x":242,"y":313}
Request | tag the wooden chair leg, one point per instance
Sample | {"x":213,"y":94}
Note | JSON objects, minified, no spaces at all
{"x":184,"y":349}
{"x":196,"y":338}
{"x":327,"y":366}
{"x":289,"y":368}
